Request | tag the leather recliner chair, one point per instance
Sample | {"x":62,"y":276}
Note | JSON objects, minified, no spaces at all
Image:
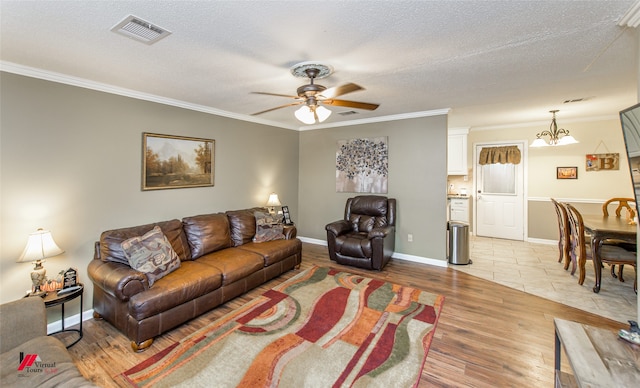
{"x":365,"y":238}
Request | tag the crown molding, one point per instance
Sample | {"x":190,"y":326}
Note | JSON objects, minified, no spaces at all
{"x":632,"y":17}
{"x":32,"y":72}
{"x":543,"y":123}
{"x":403,"y":116}
{"x":101,"y":87}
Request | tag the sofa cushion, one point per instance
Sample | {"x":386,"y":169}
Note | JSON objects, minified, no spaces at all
{"x":242,"y":225}
{"x":274,"y":251}
{"x":233,"y":263}
{"x":190,"y":281}
{"x":207,"y":233}
{"x":111,"y":240}
{"x":267,"y":228}
{"x":152,"y":254}
{"x":50,"y":351}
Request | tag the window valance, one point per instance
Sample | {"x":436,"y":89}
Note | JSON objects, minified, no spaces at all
{"x":503,"y":155}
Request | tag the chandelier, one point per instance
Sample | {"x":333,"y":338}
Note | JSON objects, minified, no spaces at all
{"x":554,"y":135}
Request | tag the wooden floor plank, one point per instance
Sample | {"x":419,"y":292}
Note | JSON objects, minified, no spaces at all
{"x":488,"y":335}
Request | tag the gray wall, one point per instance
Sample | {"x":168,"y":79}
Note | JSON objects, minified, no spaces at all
{"x":417,"y":179}
{"x":71,"y":163}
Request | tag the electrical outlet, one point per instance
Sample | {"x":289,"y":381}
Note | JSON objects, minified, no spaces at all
{"x":410,"y":237}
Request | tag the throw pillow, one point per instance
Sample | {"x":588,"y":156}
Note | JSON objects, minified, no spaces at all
{"x":152,"y":254}
{"x":268,"y":228}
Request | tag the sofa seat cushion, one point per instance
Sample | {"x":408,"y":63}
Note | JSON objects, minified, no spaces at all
{"x":190,"y":281}
{"x":274,"y":251}
{"x":233,"y":263}
{"x":50,"y":351}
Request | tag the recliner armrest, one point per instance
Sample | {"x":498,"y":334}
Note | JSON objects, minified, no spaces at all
{"x":381,"y":232}
{"x":117,"y":279}
{"x":338,"y":227}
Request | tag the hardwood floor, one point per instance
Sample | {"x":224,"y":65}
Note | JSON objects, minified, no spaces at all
{"x":488,"y":335}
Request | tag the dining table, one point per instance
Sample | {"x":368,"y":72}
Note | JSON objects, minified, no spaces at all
{"x":604,"y":228}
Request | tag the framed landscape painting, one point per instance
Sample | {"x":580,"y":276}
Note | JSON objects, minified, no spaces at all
{"x":173,"y":162}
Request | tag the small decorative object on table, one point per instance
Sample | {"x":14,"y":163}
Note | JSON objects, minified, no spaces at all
{"x":70,"y":278}
{"x":286,"y":215}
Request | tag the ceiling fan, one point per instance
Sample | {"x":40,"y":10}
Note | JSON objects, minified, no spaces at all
{"x":313,"y":96}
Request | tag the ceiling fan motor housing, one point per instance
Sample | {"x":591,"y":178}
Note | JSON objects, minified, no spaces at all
{"x":310,"y":90}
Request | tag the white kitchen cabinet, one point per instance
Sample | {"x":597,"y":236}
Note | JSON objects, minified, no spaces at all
{"x":459,"y":209}
{"x":457,"y":151}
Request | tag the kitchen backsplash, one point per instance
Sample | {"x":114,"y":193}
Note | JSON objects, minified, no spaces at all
{"x":457,"y":185}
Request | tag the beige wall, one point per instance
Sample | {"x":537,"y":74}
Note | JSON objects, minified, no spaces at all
{"x":71,"y":163}
{"x":589,"y":190}
{"x":417,"y":179}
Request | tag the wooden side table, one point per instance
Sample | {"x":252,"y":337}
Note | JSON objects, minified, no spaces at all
{"x":597,"y":357}
{"x":53,"y":299}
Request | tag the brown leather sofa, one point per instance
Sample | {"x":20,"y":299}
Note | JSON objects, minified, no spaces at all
{"x":366,"y":236}
{"x":218,"y":261}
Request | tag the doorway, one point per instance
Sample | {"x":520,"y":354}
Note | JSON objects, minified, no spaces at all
{"x":500,"y":209}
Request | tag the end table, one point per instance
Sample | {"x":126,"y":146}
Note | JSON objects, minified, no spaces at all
{"x":53,"y":299}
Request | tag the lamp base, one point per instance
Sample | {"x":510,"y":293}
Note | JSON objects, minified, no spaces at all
{"x":41,"y":294}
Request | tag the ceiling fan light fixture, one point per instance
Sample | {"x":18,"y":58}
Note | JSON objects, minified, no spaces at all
{"x":323,"y":113}
{"x":305,"y":114}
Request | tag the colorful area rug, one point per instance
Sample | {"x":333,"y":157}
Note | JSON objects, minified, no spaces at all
{"x":321,"y":328}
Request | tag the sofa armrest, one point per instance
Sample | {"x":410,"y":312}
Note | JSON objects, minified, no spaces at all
{"x":381,"y":232}
{"x":116,"y":279}
{"x":290,"y":232}
{"x":338,"y":227}
{"x":20,"y":321}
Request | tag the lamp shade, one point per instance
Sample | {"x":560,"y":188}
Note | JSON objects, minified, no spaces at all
{"x":40,"y":246}
{"x":305,"y":115}
{"x":539,"y":142}
{"x":273,"y":200}
{"x":567,"y":139}
{"x":323,"y":113}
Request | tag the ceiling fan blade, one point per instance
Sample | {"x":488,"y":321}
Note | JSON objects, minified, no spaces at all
{"x":340,"y":90}
{"x":275,"y":94}
{"x":277,"y":107}
{"x":351,"y":104}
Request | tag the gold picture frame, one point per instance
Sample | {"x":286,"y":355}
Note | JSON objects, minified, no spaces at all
{"x":566,"y":172}
{"x":175,"y":162}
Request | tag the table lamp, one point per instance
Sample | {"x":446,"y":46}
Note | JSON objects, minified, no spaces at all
{"x":272,"y":202}
{"x":40,"y":246}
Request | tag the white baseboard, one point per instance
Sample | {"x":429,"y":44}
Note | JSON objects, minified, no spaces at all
{"x":542,"y":241}
{"x":396,"y":255}
{"x":69,"y":321}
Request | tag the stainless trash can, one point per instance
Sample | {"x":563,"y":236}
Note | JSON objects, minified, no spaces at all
{"x":458,"y":244}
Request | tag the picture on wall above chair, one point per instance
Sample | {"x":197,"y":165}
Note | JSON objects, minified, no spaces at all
{"x":362,"y":165}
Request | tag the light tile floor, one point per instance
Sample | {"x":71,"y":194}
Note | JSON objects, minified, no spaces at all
{"x":534,"y":268}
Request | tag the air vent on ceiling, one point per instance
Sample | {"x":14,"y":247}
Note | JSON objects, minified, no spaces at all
{"x":348,"y":113}
{"x":140,"y":30}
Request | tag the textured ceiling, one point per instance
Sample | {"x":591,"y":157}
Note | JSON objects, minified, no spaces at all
{"x":492,"y":63}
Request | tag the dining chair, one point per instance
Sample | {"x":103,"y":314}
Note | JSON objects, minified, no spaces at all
{"x":609,"y":254}
{"x":622,"y":204}
{"x":563,"y":235}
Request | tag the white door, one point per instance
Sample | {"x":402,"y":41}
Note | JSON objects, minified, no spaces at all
{"x":499,"y":199}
